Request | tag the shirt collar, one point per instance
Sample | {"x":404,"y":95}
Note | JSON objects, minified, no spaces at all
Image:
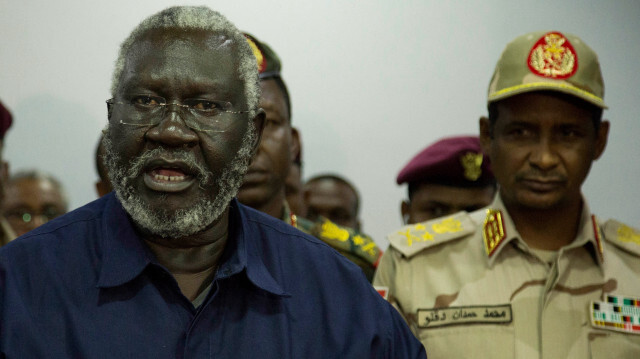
{"x":125,"y":255}
{"x":244,"y":251}
{"x":589,"y":232}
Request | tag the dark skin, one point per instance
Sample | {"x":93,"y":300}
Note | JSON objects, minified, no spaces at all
{"x":293,"y":191}
{"x":179,"y":65}
{"x":103,"y":185}
{"x":4,"y":175}
{"x":541,"y":148}
{"x":432,"y":200}
{"x":333,"y":200}
{"x":264,"y":184}
{"x":35,"y":196}
{"x":4,"y":171}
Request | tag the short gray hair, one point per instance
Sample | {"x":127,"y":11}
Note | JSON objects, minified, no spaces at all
{"x":197,"y":18}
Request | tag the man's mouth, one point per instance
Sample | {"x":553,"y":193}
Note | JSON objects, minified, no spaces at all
{"x":539,"y":185}
{"x":168,"y":176}
{"x":255,"y":176}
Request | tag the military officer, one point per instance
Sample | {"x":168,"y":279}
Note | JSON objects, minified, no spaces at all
{"x":264,"y":184}
{"x":448,"y":176}
{"x":333,"y":197}
{"x":536,"y":274}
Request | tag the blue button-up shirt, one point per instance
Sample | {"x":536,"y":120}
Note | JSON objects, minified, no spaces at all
{"x":86,"y":286}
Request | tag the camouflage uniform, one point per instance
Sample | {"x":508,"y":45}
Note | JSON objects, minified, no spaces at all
{"x":357,"y":247}
{"x":498,"y":298}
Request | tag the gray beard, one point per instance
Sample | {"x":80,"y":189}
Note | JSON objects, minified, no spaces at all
{"x":182,"y":222}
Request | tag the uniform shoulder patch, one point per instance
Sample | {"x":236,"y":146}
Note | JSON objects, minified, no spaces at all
{"x":345,"y":240}
{"x":623,"y":236}
{"x":412,"y":239}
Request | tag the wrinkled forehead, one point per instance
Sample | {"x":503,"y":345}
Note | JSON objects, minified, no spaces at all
{"x":187,"y":52}
{"x":212,"y":39}
{"x":40,"y":188}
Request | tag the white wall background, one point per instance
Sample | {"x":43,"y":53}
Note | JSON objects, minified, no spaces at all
{"x":372,"y":82}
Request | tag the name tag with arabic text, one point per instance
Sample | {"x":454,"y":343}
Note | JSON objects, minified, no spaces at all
{"x":487,"y":314}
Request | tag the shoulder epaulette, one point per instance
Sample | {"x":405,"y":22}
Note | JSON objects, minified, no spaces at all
{"x":412,"y":239}
{"x":346,"y":240}
{"x":623,"y":236}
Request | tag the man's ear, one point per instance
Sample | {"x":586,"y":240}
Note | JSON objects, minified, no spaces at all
{"x":102,"y":188}
{"x":258,"y":122}
{"x":601,"y":139}
{"x":404,"y":209}
{"x":296,"y":145}
{"x":486,"y":135}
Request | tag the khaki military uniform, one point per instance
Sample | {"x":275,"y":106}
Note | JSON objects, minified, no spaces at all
{"x":469,"y":286}
{"x":6,"y":232}
{"x":357,"y":247}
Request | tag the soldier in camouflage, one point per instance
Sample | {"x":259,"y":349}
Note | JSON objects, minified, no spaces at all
{"x":264,"y":184}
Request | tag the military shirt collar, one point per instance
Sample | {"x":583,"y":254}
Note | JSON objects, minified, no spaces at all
{"x":288,"y":216}
{"x":498,"y":229}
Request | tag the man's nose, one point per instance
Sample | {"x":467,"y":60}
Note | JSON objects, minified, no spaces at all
{"x":543,"y":155}
{"x":173,"y":129}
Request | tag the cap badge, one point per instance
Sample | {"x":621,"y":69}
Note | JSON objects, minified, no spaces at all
{"x":472,"y":164}
{"x":493,"y":231}
{"x":553,"y":56}
{"x":262,"y":63}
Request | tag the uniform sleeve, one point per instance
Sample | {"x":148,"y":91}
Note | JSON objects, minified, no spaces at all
{"x":386,"y":276}
{"x":386,"y":270}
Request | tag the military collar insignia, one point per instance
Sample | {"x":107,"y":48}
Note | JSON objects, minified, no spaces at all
{"x":262,"y":62}
{"x":493,"y":231}
{"x":472,"y":164}
{"x":597,"y":233}
{"x":553,"y":56}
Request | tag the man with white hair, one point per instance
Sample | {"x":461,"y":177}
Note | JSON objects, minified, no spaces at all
{"x":171,"y":265}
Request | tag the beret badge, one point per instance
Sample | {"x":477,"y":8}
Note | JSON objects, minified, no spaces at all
{"x":472,"y":164}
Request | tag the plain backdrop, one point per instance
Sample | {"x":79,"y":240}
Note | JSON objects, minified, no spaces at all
{"x":372,"y":83}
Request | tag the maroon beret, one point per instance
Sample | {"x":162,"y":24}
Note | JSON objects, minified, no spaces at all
{"x":455,"y":161}
{"x":5,"y":120}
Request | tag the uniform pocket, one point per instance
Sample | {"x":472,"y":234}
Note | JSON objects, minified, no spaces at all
{"x":469,"y":341}
{"x":603,"y":344}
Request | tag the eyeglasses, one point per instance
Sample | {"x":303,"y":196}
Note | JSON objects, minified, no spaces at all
{"x":197,"y":114}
